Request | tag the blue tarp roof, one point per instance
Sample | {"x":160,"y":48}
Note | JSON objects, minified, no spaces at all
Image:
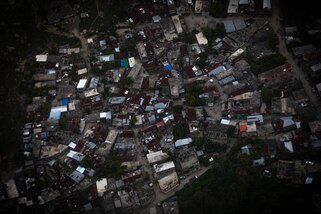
{"x":65,"y":101}
{"x":124,"y":63}
{"x":168,"y":67}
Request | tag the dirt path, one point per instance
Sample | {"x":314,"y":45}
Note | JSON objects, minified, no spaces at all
{"x":84,"y":44}
{"x":276,"y":25}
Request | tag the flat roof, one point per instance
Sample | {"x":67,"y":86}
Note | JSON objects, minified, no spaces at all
{"x":156,"y":156}
{"x":182,"y":142}
{"x":82,"y":83}
{"x":316,"y":67}
{"x":226,"y":80}
{"x":233,"y":6}
{"x":41,"y":58}
{"x":101,"y":186}
{"x":177,"y":24}
{"x":116,"y":100}
{"x":75,"y":155}
{"x":201,"y":39}
{"x":229,"y":26}
{"x":198,"y":6}
{"x":55,"y":112}
{"x":164,"y":166}
{"x":131,"y":61}
{"x":91,"y":92}
{"x":12,"y":190}
{"x":266,"y":4}
{"x":111,"y":137}
{"x":239,"y":24}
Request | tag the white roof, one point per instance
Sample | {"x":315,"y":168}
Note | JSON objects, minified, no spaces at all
{"x":131,"y":62}
{"x":82,"y":71}
{"x":90,"y":40}
{"x":55,"y":112}
{"x":288,"y":145}
{"x":225,"y":122}
{"x":75,"y":155}
{"x":105,"y":115}
{"x":237,"y":53}
{"x":71,"y":106}
{"x":72,"y":145}
{"x":41,"y":58}
{"x":164,"y":166}
{"x":101,"y":186}
{"x":156,"y":156}
{"x":156,"y":19}
{"x":201,"y":39}
{"x":81,"y":169}
{"x":82,"y":83}
{"x":251,"y":127}
{"x":182,"y":142}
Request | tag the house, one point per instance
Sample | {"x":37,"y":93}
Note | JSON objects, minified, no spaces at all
{"x":277,"y":76}
{"x":174,"y":86}
{"x":168,"y":29}
{"x":246,"y":103}
{"x":163,"y":169}
{"x":198,"y":6}
{"x":111,"y":137}
{"x":233,"y":7}
{"x":101,"y":186}
{"x":183,"y":142}
{"x":12,"y":191}
{"x":235,"y":55}
{"x":168,"y":182}
{"x":201,"y":39}
{"x":217,"y":133}
{"x":294,"y":171}
{"x":188,"y":160}
{"x":82,"y":84}
{"x":77,"y":176}
{"x":154,"y":157}
{"x":41,"y":58}
{"x":177,"y":24}
{"x":137,"y":75}
{"x":142,"y":51}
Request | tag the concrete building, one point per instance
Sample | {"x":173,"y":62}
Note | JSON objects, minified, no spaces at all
{"x":233,"y":7}
{"x":168,"y":182}
{"x":177,"y":24}
{"x":201,"y":39}
{"x":187,"y":160}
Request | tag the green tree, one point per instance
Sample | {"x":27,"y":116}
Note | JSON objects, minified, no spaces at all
{"x":110,"y":168}
{"x":267,"y":62}
{"x":267,"y":94}
{"x":180,"y":130}
{"x":178,"y":109}
{"x":96,"y":71}
{"x":128,"y":81}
